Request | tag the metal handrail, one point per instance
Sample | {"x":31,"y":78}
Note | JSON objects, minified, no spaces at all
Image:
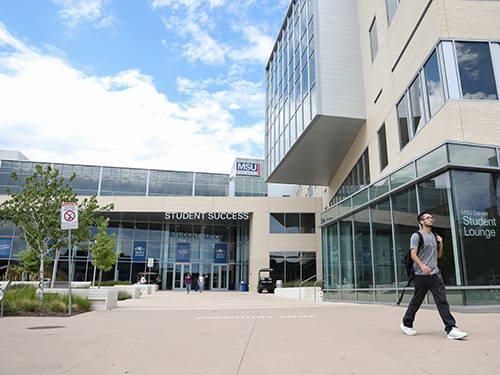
{"x":306,"y":280}
{"x":320,"y":279}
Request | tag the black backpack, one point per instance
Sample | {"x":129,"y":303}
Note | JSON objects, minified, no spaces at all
{"x":409,"y":263}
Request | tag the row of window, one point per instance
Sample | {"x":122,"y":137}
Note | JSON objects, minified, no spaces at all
{"x":290,"y":83}
{"x":358,"y":178}
{"x":455,"y":70}
{"x":122,"y":181}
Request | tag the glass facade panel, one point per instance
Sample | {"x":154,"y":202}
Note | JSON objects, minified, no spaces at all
{"x":332,"y":276}
{"x":476,"y":199}
{"x":432,"y":161}
{"x":476,"y":72}
{"x":383,"y":251}
{"x":469,"y":155}
{"x":379,"y":188}
{"x":435,"y":197}
{"x":360,"y":198}
{"x":346,"y":255}
{"x":362,"y":250}
{"x":404,"y":206}
{"x":403,"y":176}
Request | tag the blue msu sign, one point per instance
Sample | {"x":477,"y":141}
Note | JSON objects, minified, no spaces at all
{"x":248,"y":169}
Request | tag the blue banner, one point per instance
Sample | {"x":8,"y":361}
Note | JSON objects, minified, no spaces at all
{"x":139,"y":253}
{"x":5,"y":247}
{"x":183,"y":252}
{"x":220,"y":253}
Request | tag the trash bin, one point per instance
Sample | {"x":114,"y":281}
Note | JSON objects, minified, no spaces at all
{"x":279,"y":283}
{"x":244,"y":287}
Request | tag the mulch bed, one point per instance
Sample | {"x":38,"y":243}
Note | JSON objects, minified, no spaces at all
{"x":48,"y":314}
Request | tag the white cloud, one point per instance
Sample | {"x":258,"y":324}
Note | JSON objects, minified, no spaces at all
{"x":190,"y":4}
{"x":195,"y":28}
{"x":259,"y":47}
{"x":60,"y":114}
{"x":77,"y":12}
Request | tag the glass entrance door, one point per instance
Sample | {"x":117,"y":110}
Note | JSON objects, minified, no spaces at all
{"x":181,"y":270}
{"x":220,"y":278}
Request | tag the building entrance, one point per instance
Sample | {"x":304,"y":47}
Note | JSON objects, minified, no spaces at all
{"x":180,"y":272}
{"x":220,"y":280}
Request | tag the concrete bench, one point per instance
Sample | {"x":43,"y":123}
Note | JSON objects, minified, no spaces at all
{"x":102,"y":299}
{"x":133,"y":290}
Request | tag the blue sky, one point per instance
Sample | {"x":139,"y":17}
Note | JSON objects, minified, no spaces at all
{"x":169,"y":84}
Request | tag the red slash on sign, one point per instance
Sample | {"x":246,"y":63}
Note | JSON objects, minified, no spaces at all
{"x":69,"y":216}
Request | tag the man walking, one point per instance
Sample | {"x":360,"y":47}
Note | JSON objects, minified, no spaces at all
{"x":428,"y":277}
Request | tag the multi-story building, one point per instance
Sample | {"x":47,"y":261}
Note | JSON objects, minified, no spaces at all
{"x":226,"y":226}
{"x":392,"y":107}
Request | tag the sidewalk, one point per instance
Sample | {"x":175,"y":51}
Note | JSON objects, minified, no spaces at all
{"x":245,"y":333}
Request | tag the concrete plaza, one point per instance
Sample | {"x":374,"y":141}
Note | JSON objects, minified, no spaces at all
{"x":245,"y":333}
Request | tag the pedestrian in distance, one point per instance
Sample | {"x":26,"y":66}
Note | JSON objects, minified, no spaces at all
{"x":201,"y":283}
{"x":187,"y":281}
{"x":428,"y":277}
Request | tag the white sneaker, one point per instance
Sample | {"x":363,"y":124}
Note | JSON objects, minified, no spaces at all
{"x":409,"y":331}
{"x":456,"y":334}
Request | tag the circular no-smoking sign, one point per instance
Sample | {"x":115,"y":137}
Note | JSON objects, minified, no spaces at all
{"x":69,"y":215}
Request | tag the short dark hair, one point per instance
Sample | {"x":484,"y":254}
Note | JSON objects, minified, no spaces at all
{"x":420,"y":215}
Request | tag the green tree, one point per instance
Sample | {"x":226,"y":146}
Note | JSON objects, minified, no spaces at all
{"x":30,"y":261}
{"x":36,"y":211}
{"x":103,"y":256}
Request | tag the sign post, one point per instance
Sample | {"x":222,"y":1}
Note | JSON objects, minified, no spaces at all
{"x":69,"y":220}
{"x":150,"y":264}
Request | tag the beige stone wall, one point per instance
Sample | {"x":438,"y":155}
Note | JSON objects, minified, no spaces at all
{"x":464,"y":121}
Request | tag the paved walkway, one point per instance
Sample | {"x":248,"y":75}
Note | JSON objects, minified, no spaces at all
{"x":239,"y":333}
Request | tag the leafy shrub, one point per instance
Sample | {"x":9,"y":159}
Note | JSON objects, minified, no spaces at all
{"x":23,"y":298}
{"x":55,"y":305}
{"x":122,"y":295}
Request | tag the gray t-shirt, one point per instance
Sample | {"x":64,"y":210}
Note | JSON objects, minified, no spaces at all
{"x":427,"y":254}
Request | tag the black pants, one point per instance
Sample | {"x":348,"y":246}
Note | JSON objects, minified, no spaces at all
{"x":435,"y":284}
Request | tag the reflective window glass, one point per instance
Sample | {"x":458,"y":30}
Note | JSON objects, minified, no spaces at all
{"x":405,"y":213}
{"x":362,"y":250}
{"x":383,"y":251}
{"x":404,"y":136}
{"x":469,"y":155}
{"x":382,"y":148}
{"x":277,"y":223}
{"x":435,"y":95}
{"x":476,"y":72}
{"x":374,"y":39}
{"x":346,"y":256}
{"x":416,"y":105}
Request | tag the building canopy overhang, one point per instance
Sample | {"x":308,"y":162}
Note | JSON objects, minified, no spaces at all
{"x":318,"y":153}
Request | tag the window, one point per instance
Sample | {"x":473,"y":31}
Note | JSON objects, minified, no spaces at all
{"x":359,"y":177}
{"x":435,"y":95}
{"x":382,"y":147}
{"x":292,"y":223}
{"x":404,"y":136}
{"x":292,"y":266}
{"x":374,"y":39}
{"x":416,"y":105}
{"x":391,"y":6}
{"x":476,"y":72}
